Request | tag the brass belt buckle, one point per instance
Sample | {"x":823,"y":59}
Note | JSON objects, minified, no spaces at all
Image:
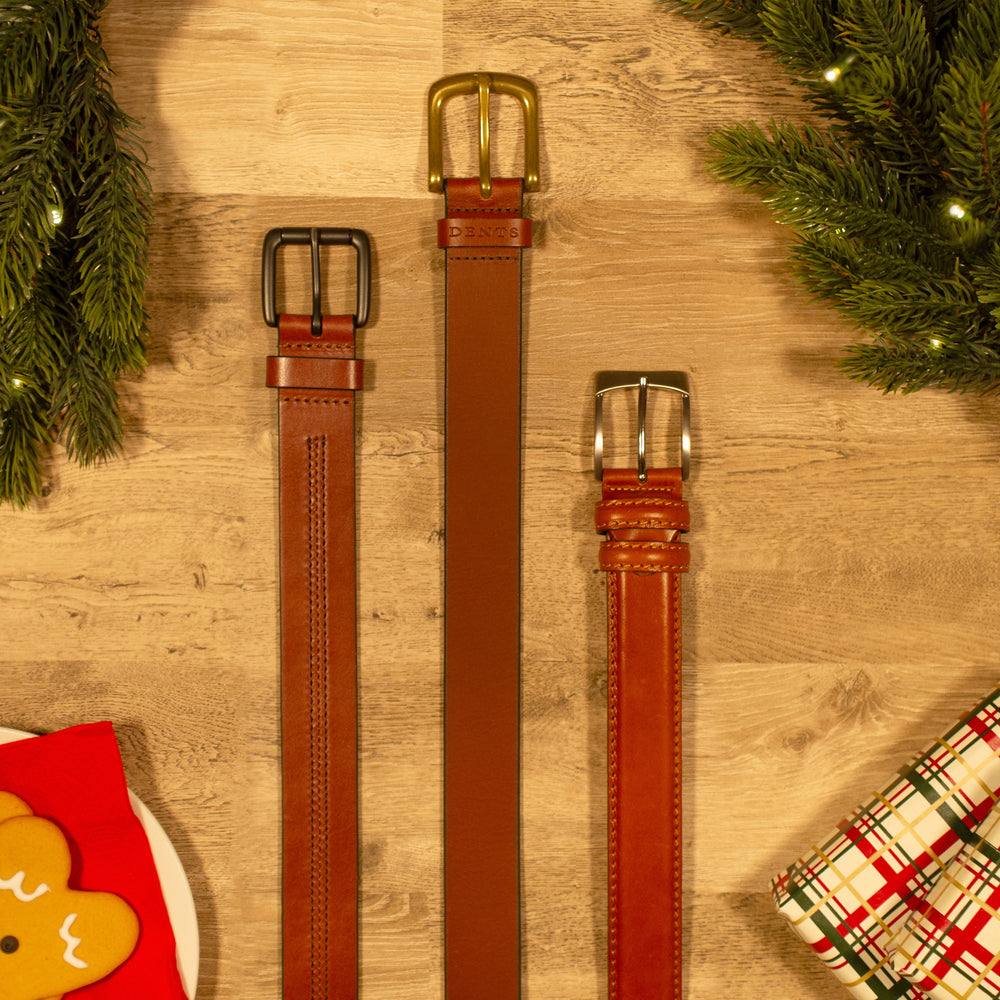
{"x":315,"y":238}
{"x":483,"y":84}
{"x":643,"y":381}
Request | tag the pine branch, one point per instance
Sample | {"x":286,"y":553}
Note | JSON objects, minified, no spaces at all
{"x":941,"y":16}
{"x":817,"y":184}
{"x":906,"y":368}
{"x":986,"y":276}
{"x":32,"y":35}
{"x":28,"y":200}
{"x":976,"y":34}
{"x":22,"y":434}
{"x":831,"y":264}
{"x":74,"y":215}
{"x":896,"y":202}
{"x":35,"y":335}
{"x":740,"y":18}
{"x":112,"y":250}
{"x":88,"y":403}
{"x":970,"y":131}
{"x":801,"y":34}
{"x":940,"y":312}
{"x":870,"y":77}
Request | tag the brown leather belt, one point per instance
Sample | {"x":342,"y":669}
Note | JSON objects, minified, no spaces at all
{"x":317,"y":374}
{"x":641,"y":515}
{"x":483,"y":235}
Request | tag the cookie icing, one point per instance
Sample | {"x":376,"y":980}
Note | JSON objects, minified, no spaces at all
{"x":16,"y":885}
{"x":69,"y":955}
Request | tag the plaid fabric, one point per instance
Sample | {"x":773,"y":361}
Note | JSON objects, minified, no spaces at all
{"x":852,"y":898}
{"x":952,"y":951}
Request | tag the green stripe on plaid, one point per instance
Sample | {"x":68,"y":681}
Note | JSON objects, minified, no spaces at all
{"x":864,"y":963}
{"x":852,"y":898}
{"x":952,"y":951}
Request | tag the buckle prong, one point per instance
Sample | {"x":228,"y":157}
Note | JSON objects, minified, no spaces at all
{"x":482,"y":84}
{"x":640,"y":462}
{"x":485,"y":178}
{"x":314,"y":238}
{"x":643,"y":381}
{"x":316,"y":326}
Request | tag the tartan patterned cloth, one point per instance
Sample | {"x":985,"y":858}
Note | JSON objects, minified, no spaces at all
{"x":854,"y":898}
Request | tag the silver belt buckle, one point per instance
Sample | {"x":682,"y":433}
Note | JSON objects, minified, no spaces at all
{"x":609,"y":381}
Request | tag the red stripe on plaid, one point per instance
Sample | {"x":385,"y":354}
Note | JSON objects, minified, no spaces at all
{"x":984,"y":726}
{"x":963,"y":947}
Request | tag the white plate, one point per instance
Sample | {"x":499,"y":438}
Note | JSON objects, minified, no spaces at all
{"x":176,"y":891}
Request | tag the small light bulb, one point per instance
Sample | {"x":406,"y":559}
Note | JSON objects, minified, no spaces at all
{"x":833,"y":73}
{"x":55,"y":215}
{"x":16,"y":382}
{"x":935,"y":343}
{"x":956,"y":211}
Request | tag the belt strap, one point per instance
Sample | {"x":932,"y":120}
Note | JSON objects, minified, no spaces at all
{"x":641,"y":515}
{"x":482,"y":605}
{"x":483,"y":236}
{"x":316,"y":375}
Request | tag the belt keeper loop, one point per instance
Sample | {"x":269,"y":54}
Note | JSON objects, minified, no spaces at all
{"x":484,"y":231}
{"x":644,"y":557}
{"x":644,"y":512}
{"x":333,"y":374}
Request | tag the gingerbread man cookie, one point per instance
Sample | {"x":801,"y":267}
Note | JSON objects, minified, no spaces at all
{"x":53,"y":939}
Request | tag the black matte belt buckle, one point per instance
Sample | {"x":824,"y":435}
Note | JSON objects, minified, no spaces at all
{"x":315,"y":238}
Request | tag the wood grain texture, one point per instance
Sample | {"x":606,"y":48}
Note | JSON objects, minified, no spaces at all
{"x":840,"y":610}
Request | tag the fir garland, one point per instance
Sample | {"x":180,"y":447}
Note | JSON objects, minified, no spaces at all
{"x":74,"y":212}
{"x":895,"y":204}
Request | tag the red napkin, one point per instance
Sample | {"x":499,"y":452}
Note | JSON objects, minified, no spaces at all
{"x":74,"y":777}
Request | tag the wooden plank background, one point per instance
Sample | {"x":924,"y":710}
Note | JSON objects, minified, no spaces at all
{"x":841,"y":609}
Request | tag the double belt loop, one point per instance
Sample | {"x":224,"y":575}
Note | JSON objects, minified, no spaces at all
{"x":642,"y":517}
{"x":483,"y":235}
{"x":317,"y":375}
